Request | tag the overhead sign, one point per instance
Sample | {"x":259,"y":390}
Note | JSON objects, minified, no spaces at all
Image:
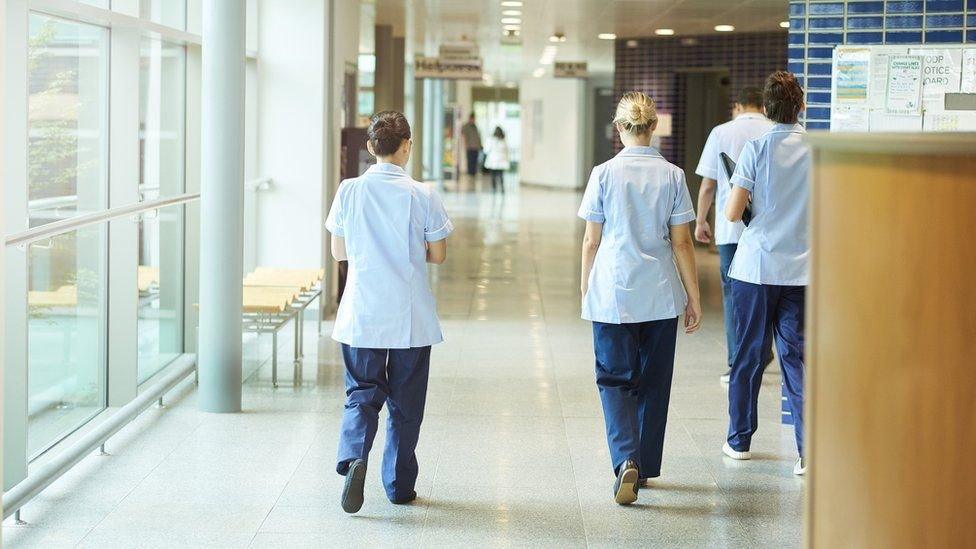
{"x":434,"y":67}
{"x":570,"y":69}
{"x":458,"y":53}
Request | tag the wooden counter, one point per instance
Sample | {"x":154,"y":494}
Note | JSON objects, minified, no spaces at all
{"x":891,"y":342}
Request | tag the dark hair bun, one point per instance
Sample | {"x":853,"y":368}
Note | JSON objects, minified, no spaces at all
{"x":783,"y":97}
{"x":387,"y":131}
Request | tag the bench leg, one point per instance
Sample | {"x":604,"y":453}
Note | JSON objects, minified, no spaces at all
{"x":274,"y":359}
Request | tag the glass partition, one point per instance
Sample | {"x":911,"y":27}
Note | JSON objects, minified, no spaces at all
{"x":160,"y":285}
{"x":66,"y":334}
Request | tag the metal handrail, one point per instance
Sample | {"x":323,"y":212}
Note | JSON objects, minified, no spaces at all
{"x":44,"y":475}
{"x":67,"y":225}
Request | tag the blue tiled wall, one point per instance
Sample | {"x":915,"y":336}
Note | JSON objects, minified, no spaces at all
{"x":816,"y":26}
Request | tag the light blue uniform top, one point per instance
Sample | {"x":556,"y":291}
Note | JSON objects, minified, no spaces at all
{"x":728,"y":138}
{"x":638,"y":196}
{"x":774,"y":248}
{"x":386,"y":219}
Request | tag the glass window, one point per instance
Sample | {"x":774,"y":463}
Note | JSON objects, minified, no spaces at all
{"x":67,"y":176}
{"x":162,"y":105}
{"x":66,"y":335}
{"x":171,"y":13}
{"x":67,"y":118}
{"x":160,"y":290}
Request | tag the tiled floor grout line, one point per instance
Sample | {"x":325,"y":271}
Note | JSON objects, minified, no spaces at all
{"x":144,"y":477}
{"x":562,"y":414}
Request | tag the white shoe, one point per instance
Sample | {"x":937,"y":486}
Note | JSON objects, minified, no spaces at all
{"x":800,"y":468}
{"x":740,"y":456}
{"x":726,"y":377}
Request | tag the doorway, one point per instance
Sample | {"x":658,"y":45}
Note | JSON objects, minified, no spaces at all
{"x":706,"y":104}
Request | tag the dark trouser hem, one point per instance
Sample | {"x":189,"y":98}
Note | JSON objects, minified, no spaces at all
{"x":634,"y":368}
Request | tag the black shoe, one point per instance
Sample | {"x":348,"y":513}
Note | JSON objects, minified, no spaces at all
{"x":352,"y":491}
{"x":625,"y":488}
{"x":403,"y":501}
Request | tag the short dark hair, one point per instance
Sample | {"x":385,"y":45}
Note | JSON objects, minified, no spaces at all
{"x":783,"y":98}
{"x":387,"y":131}
{"x":750,"y":96}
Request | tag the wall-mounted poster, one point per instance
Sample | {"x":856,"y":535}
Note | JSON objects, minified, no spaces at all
{"x":968,"y":84}
{"x":850,"y":118}
{"x":904,"y":92}
{"x":941,"y":74}
{"x":852,"y":74}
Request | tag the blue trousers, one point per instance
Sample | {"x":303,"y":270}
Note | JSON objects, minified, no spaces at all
{"x":397,"y":377}
{"x":634,"y":366}
{"x":758,"y":308}
{"x":725,"y":254}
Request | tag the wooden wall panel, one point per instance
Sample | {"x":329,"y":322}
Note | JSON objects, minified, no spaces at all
{"x":892,"y":349}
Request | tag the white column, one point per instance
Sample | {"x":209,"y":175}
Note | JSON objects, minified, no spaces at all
{"x":221,"y":205}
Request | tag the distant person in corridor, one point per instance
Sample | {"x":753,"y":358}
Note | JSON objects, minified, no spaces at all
{"x":389,"y":227}
{"x":472,"y":144}
{"x":638,"y":276}
{"x":496,"y":159}
{"x":748,"y":123}
{"x":770,"y":269}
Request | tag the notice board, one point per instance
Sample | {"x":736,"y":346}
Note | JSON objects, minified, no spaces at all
{"x":904,"y":88}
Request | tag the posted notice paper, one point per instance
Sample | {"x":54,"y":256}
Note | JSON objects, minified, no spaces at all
{"x":852,"y":74}
{"x":904,"y":91}
{"x":941,"y":74}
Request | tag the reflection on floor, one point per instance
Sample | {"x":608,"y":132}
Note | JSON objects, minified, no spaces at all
{"x":512,"y":451}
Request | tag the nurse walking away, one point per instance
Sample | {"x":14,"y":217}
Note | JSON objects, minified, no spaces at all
{"x":769,"y":271}
{"x":637,"y":210}
{"x":389,"y":227}
{"x":748,"y":123}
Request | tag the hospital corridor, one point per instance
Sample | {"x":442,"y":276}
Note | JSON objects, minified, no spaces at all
{"x":512,"y":449}
{"x":676,"y":274}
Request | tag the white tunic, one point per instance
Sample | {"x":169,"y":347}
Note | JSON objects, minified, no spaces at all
{"x":386,"y":219}
{"x":496,"y":155}
{"x":728,"y":138}
{"x":638,"y":196}
{"x":774,"y":248}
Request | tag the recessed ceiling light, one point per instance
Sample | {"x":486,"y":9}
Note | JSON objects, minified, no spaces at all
{"x":516,"y":13}
{"x":512,"y":4}
{"x":632,"y":43}
{"x":539,"y":73}
{"x":664,"y":32}
{"x":724,"y":28}
{"x":785,"y":24}
{"x":607,"y":36}
{"x":511,"y":21}
{"x":512,"y":27}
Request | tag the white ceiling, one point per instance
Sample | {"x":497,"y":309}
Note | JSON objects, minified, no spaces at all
{"x":429,"y":23}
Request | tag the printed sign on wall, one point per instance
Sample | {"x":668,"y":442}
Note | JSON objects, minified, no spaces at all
{"x":433,"y":67}
{"x":570,"y":69}
{"x":904,"y":93}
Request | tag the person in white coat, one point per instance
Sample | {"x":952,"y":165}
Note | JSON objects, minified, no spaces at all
{"x":496,"y":159}
{"x":389,"y":227}
{"x":749,"y":122}
{"x":638,"y":275}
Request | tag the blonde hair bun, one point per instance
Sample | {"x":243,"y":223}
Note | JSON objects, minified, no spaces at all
{"x":636,"y":113}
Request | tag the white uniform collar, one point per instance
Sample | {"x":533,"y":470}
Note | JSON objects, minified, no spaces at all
{"x":386,"y":167}
{"x":750,"y":116}
{"x":648,"y":151}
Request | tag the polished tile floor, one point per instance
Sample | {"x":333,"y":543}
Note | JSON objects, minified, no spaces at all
{"x":512,"y":450}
